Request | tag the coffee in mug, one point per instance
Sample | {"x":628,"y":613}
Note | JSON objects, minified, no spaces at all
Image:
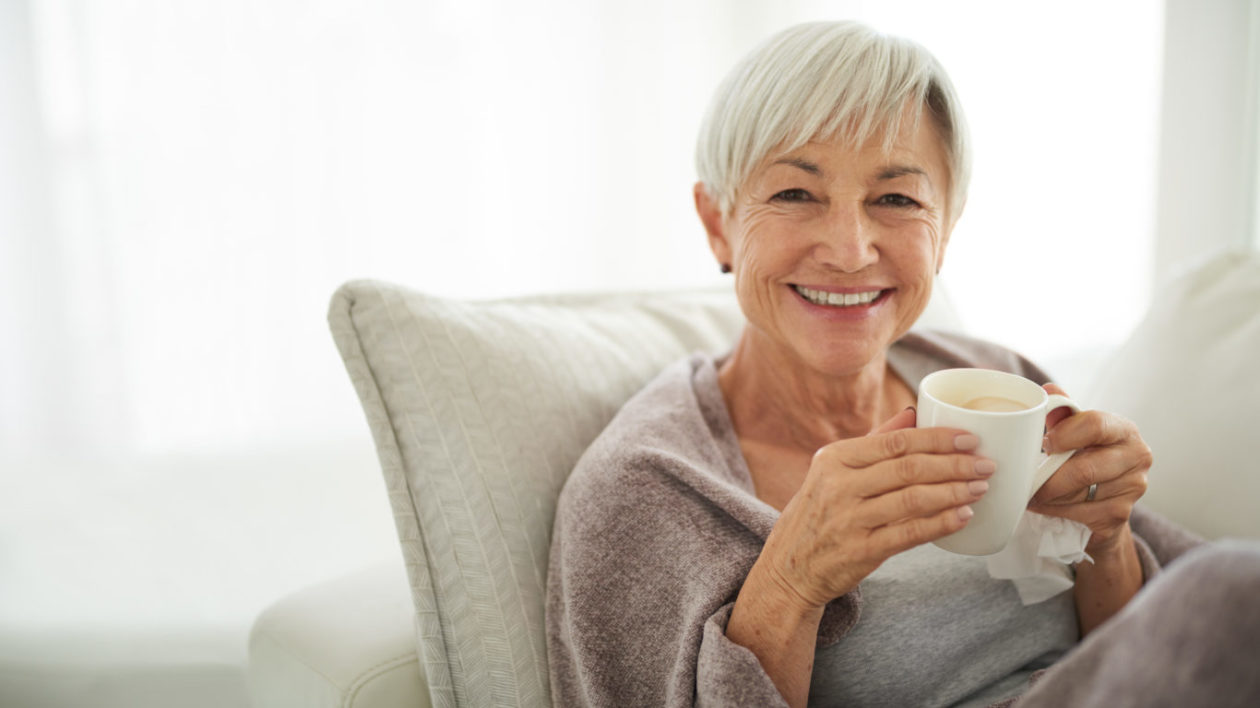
{"x":1008,"y":414}
{"x":995,"y":404}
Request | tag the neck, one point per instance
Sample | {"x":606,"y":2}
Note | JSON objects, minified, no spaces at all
{"x":774,"y":398}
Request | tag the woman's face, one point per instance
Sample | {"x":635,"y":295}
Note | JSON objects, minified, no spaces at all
{"x":834,"y":249}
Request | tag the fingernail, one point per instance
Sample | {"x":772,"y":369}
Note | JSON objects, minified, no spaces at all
{"x":986,"y":468}
{"x":909,"y":408}
{"x":1045,"y":443}
{"x":966,"y":442}
{"x":977,"y":487}
{"x":965,"y":512}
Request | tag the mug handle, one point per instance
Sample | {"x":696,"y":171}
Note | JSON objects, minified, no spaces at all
{"x":1052,"y":463}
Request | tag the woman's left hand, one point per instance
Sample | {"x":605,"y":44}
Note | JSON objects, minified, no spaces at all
{"x":1109,"y":453}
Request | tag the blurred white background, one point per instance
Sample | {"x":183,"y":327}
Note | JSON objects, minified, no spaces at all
{"x":183,"y":183}
{"x":203,"y":174}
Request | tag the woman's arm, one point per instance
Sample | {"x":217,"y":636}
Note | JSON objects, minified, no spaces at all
{"x":863,"y":500}
{"x":1106,"y":585}
{"x":1112,"y":458}
{"x":780,"y":632}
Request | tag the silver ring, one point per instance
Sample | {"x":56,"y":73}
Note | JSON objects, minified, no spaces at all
{"x":1093,"y":491}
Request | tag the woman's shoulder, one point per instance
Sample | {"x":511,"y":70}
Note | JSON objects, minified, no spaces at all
{"x":670,"y":451}
{"x":665,"y":412}
{"x":924,"y":351}
{"x":666,"y":426}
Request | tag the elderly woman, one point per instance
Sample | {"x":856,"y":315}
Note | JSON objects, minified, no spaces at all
{"x":754,"y":529}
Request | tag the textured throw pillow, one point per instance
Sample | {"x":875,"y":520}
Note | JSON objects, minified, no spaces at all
{"x":479,"y":411}
{"x":1187,"y":376}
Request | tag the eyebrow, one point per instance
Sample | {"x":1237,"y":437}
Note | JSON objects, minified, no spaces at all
{"x":800,"y":164}
{"x":887,"y":173}
{"x":895,"y":171}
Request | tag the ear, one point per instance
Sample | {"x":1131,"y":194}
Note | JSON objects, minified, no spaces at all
{"x":711,"y":216}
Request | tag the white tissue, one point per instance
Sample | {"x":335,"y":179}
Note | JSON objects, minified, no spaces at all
{"x":1037,"y":557}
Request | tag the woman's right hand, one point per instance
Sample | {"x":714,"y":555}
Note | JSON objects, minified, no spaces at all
{"x":866,"y":499}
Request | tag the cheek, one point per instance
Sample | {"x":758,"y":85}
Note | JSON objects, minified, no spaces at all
{"x":762,"y":239}
{"x":917,"y":245}
{"x":763,"y":249}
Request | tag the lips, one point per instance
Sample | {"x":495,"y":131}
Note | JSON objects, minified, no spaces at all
{"x":826,"y":298}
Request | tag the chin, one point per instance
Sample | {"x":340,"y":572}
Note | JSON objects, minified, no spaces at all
{"x":844,"y":358}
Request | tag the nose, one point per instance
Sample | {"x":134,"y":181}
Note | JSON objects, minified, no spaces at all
{"x":846,"y":240}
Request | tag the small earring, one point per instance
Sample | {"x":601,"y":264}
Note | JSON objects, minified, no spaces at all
{"x":726,"y":268}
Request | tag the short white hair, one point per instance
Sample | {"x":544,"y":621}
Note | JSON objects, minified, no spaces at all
{"x":821,"y":80}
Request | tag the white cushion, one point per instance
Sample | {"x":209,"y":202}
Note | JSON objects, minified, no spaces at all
{"x":479,"y":411}
{"x":1187,"y":376}
{"x":345,"y":643}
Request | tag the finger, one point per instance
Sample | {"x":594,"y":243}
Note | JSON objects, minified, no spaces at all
{"x":1099,"y":516}
{"x":904,"y":419}
{"x":1094,"y":514}
{"x":1095,"y":465}
{"x":1131,"y":485}
{"x":1106,"y":490}
{"x":921,"y":468}
{"x":1089,"y":429}
{"x":904,"y":535}
{"x":1057,"y":415}
{"x":919,"y":500}
{"x":1085,"y":468}
{"x":866,"y":451}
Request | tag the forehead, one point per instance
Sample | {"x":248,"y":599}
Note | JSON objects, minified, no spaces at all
{"x":913,"y":147}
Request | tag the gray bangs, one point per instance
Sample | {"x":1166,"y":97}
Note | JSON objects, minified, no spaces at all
{"x":823,"y":81}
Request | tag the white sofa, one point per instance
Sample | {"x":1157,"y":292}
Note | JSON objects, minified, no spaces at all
{"x":479,"y":409}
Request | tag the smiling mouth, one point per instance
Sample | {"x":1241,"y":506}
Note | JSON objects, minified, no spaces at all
{"x":821,"y":297}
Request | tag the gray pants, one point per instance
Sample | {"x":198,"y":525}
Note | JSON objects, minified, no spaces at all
{"x":1191,"y":637}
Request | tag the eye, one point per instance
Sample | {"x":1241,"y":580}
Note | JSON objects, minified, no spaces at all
{"x":792,"y":195}
{"x":897,"y":200}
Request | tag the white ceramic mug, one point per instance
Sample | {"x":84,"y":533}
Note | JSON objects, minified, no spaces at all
{"x":1010,"y":422}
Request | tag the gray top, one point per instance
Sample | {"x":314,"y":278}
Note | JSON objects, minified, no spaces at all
{"x":658,"y":526}
{"x":936,"y":630}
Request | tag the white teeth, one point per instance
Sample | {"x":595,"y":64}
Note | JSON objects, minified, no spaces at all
{"x":820,"y":297}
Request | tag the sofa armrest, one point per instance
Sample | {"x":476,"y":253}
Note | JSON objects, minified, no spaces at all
{"x":345,"y":643}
